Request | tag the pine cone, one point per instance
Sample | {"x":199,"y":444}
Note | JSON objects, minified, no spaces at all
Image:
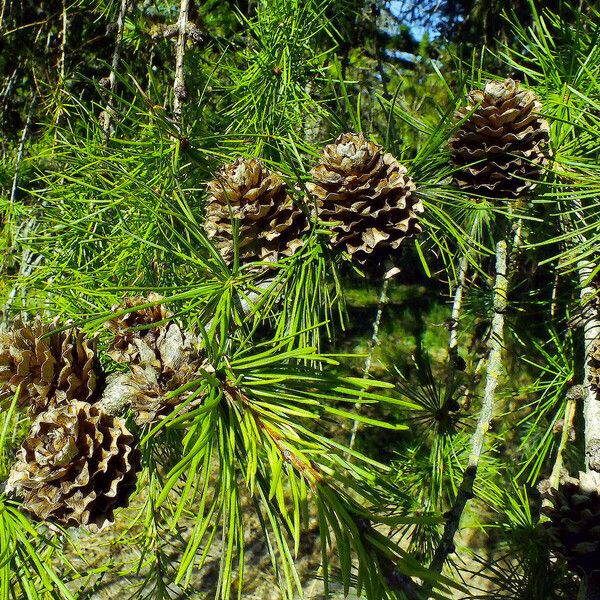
{"x":574,"y":526}
{"x":135,"y":328}
{"x":270,"y":226}
{"x":75,"y":467}
{"x":367,"y":196}
{"x":51,"y":371}
{"x":594,"y":365}
{"x":502,"y":146}
{"x":162,"y":367}
{"x":151,"y":386}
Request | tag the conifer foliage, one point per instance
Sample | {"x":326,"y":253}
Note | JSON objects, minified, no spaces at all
{"x":280,"y":296}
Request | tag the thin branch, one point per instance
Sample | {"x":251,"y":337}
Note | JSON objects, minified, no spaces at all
{"x":109,"y":110}
{"x":63,"y":42}
{"x":10,"y":212}
{"x":62,"y":66}
{"x":572,"y":396}
{"x":179,"y":85}
{"x":20,"y":152}
{"x":494,"y":371}
{"x":372,"y":344}
{"x":457,"y":305}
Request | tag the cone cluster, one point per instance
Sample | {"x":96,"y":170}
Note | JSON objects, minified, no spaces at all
{"x":501,"y":144}
{"x":363,"y":193}
{"x":78,"y":462}
{"x":574,"y":525}
{"x":248,"y":196}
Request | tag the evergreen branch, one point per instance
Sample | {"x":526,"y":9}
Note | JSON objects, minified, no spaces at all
{"x":179,"y":85}
{"x":591,"y":333}
{"x":494,"y":370}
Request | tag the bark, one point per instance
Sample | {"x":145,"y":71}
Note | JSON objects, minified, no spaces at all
{"x":591,"y":405}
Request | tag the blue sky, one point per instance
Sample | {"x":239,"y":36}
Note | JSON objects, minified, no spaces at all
{"x":416,"y":30}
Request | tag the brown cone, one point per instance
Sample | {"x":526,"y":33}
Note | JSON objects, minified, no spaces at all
{"x":574,"y":526}
{"x":75,"y":467}
{"x":134,"y":327}
{"x":52,"y":370}
{"x":367,"y":196}
{"x":502,"y":146}
{"x":151,"y":386}
{"x":170,"y":361}
{"x":270,"y":225}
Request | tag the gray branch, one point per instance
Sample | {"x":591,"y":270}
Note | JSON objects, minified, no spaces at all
{"x":591,"y":333}
{"x":494,"y":371}
{"x":179,"y":85}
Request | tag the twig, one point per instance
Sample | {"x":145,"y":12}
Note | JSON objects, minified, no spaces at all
{"x":572,"y":395}
{"x":457,"y":305}
{"x":454,"y":320}
{"x":379,"y":52}
{"x":494,"y":370}
{"x":109,"y":110}
{"x":62,"y":66}
{"x":372,"y":344}
{"x":20,"y":152}
{"x":179,"y":85}
{"x":589,"y":588}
